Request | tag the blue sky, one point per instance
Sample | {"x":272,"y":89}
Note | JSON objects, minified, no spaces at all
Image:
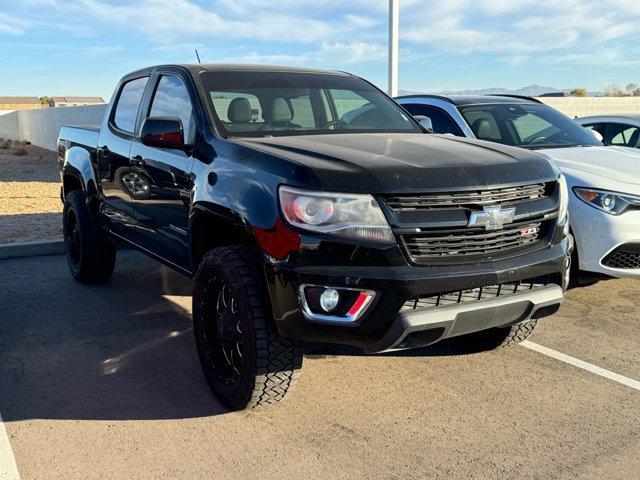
{"x":81,"y":47}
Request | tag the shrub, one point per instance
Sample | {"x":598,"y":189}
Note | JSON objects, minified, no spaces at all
{"x":19,"y":148}
{"x":5,"y":145}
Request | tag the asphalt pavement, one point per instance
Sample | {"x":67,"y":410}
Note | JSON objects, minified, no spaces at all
{"x":103,"y":382}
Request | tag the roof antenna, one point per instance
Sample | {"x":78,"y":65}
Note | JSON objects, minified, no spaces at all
{"x":197,"y":55}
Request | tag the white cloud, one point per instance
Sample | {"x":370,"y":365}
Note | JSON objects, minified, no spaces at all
{"x":518,"y":27}
{"x":328,"y":32}
{"x":164,"y":21}
{"x":11,"y":26}
{"x":352,"y":52}
{"x":327,"y":54}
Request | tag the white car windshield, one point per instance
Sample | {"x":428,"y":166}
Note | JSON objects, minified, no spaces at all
{"x":526,"y":125}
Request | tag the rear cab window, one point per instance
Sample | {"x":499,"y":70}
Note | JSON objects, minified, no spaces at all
{"x":126,"y":110}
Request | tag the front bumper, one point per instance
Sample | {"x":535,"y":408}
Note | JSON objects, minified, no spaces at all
{"x":598,"y":233}
{"x":422,"y":327}
{"x":394,"y":285}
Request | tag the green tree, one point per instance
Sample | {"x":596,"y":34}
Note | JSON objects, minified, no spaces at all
{"x":44,"y":100}
{"x":578,"y":92}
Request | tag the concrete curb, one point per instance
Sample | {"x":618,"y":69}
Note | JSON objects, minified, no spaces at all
{"x":31,"y":249}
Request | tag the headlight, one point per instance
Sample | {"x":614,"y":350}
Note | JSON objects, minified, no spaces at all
{"x":612,"y":203}
{"x":564,"y":199}
{"x":341,"y":214}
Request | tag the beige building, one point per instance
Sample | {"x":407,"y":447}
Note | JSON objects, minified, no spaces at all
{"x":74,"y":101}
{"x":20,"y":103}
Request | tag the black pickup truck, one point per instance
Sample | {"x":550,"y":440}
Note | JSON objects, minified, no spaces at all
{"x":303,"y":216}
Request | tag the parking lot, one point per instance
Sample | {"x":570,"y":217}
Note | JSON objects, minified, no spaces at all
{"x":103,"y":382}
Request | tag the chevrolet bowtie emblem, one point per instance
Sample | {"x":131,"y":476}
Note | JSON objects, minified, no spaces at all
{"x":491,"y":217}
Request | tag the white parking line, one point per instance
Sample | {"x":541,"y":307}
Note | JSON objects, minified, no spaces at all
{"x":8,"y":467}
{"x":629,"y":382}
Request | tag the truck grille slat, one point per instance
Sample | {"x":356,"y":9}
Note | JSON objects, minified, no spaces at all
{"x":458,"y":200}
{"x":442,"y":245}
{"x":472,"y":294}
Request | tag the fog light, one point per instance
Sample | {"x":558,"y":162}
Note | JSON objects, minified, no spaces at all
{"x":329,"y":299}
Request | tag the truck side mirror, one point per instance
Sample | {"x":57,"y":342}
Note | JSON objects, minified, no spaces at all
{"x":163,"y":132}
{"x":426,"y":122}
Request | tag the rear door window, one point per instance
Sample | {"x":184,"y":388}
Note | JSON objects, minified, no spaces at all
{"x":623,"y":135}
{"x":128,"y":104}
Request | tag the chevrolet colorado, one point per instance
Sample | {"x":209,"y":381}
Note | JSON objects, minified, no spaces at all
{"x":300,"y":221}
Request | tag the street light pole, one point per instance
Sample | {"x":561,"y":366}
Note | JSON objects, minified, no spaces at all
{"x":394,"y":24}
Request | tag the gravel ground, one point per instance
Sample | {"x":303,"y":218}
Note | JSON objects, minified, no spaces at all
{"x":30,"y":207}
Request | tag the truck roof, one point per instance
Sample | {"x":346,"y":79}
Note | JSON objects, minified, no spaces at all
{"x":230,"y":67}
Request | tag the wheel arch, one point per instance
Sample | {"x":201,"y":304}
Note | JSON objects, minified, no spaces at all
{"x":78,"y":173}
{"x":212,"y":226}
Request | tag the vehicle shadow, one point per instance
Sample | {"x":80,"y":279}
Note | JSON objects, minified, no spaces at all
{"x":444,"y":348}
{"x":124,"y":350}
{"x":120,"y":351}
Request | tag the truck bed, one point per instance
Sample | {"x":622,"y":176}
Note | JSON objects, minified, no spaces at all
{"x":83,"y":136}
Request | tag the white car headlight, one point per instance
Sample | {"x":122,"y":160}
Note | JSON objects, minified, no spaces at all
{"x":341,"y":214}
{"x":612,"y":203}
{"x":563,"y":209}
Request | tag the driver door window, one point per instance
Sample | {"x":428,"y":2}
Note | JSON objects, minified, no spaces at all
{"x":172,"y":100}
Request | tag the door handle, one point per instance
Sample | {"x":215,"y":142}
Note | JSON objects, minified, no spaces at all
{"x":137,"y":161}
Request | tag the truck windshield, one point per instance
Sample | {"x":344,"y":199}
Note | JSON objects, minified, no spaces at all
{"x":525,"y":125}
{"x":260,"y":104}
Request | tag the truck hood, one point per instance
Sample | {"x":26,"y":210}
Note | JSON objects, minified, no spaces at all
{"x":398,"y":163}
{"x":619,"y":164}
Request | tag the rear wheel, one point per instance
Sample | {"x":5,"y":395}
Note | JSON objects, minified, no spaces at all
{"x":494,"y":338}
{"x":91,"y":255}
{"x":244,"y":359}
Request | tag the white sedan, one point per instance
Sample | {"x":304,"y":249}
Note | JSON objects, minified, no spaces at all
{"x":605,"y":204}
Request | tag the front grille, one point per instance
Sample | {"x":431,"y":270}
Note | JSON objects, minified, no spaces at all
{"x":455,"y":242}
{"x":472,"y":294}
{"x":433,"y":227}
{"x":460,"y":200}
{"x":625,"y":256}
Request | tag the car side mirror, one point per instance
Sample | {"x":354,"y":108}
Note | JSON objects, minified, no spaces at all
{"x":163,"y":132}
{"x":426,"y":122}
{"x":596,"y":134}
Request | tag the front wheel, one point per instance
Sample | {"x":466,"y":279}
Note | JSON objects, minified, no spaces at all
{"x":244,"y":359}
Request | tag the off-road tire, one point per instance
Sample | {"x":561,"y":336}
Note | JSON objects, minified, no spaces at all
{"x":495,"y":338}
{"x":270,"y":364}
{"x":91,"y":255}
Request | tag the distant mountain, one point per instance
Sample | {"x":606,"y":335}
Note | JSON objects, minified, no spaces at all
{"x":529,"y":91}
